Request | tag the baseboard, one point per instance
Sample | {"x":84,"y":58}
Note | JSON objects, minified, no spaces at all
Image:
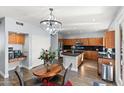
{"x":2,"y":74}
{"x":26,"y":67}
{"x":36,"y":65}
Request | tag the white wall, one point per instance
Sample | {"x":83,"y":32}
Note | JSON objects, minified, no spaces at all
{"x":115,"y":26}
{"x":84,"y":35}
{"x":38,"y":39}
{"x":3,"y":69}
{"x":16,"y":46}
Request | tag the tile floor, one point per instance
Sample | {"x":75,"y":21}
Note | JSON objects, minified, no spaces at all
{"x":86,"y":75}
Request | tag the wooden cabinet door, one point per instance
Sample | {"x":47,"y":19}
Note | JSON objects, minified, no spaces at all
{"x":64,"y":41}
{"x":84,"y":41}
{"x":92,"y":41}
{"x":69,"y":42}
{"x":73,"y":41}
{"x":110,"y":39}
{"x":94,"y":55}
{"x":22,"y":39}
{"x":99,"y":41}
{"x":95,"y":41}
{"x":15,"y":38}
{"x":12,"y":38}
{"x":87,"y":55}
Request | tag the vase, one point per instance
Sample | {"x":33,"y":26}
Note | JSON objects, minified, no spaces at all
{"x":48,"y":67}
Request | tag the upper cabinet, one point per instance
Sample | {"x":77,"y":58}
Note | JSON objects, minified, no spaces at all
{"x":95,"y":41}
{"x":15,"y":38}
{"x":109,"y":39}
{"x":69,"y":41}
{"x":84,"y":41}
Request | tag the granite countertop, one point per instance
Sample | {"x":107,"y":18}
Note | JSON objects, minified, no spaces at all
{"x":106,"y":57}
{"x":70,"y":54}
{"x":21,"y":58}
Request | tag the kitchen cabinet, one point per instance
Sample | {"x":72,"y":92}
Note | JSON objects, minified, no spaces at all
{"x":92,"y":55}
{"x":95,"y":42}
{"x":15,"y":38}
{"x":79,"y":59}
{"x":69,"y":41}
{"x":84,"y":41}
{"x":20,"y":39}
{"x":12,"y":38}
{"x":109,"y":39}
{"x":104,"y":61}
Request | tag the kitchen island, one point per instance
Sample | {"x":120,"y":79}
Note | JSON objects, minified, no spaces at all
{"x":75,"y":58}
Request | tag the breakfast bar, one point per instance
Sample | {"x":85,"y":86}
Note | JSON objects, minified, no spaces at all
{"x":75,"y":58}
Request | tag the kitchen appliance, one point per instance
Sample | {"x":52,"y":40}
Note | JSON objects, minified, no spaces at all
{"x":78,"y":47}
{"x":10,"y":53}
{"x":107,"y":72}
{"x":17,"y":53}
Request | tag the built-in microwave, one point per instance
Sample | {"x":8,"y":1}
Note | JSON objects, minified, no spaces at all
{"x":10,"y":53}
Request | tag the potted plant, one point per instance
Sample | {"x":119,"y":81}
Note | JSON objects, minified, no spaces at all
{"x":48,"y":57}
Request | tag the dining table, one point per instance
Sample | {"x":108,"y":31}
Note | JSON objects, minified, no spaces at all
{"x":42,"y":73}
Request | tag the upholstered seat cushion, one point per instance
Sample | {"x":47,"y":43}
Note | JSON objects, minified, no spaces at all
{"x":68,"y":83}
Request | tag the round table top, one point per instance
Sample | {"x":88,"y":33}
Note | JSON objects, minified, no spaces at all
{"x":43,"y":73}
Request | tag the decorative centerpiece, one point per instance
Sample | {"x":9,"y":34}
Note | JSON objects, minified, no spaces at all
{"x":48,"y":57}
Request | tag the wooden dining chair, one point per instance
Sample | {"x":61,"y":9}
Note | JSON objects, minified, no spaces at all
{"x":32,"y":82}
{"x":59,"y":80}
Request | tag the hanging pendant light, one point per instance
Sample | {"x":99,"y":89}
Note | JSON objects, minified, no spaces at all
{"x":50,"y":24}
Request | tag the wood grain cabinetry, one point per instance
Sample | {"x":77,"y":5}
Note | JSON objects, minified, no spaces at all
{"x":12,"y":38}
{"x":79,"y":59}
{"x":15,"y":38}
{"x":104,"y":61}
{"x":109,"y":39}
{"x":95,"y":41}
{"x":92,"y":55}
{"x":84,"y":41}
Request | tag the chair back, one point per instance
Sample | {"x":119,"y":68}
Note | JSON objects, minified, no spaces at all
{"x":20,"y":78}
{"x":66,"y":74}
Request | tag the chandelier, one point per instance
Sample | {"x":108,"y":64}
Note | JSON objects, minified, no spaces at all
{"x":50,"y":24}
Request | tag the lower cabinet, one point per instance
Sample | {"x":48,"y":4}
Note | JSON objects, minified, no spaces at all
{"x":80,"y":59}
{"x":92,"y":55}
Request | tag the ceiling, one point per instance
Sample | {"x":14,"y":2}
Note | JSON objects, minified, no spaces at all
{"x":75,"y":19}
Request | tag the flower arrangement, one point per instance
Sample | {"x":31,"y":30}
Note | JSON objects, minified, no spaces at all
{"x":47,"y":56}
